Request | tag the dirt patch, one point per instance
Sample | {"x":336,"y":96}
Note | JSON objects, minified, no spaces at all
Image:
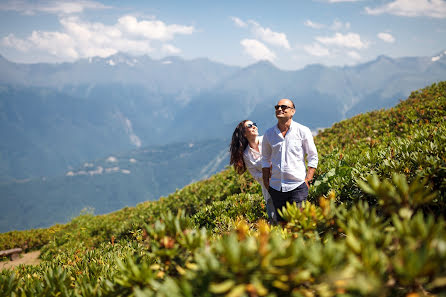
{"x":31,"y":258}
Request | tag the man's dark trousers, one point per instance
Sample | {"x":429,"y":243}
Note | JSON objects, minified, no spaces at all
{"x":298,"y":195}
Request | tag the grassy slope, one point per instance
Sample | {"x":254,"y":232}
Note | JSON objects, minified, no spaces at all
{"x":360,"y":237}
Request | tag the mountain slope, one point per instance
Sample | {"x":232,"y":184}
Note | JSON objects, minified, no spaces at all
{"x":109,"y":184}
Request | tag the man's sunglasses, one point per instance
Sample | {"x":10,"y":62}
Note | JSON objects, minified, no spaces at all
{"x":250,"y":125}
{"x":283,"y":107}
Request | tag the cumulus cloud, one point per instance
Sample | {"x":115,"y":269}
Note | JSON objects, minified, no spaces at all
{"x":57,"y":44}
{"x":170,"y":49}
{"x":265,"y":34}
{"x":152,"y":29}
{"x":50,"y":6}
{"x":269,"y":36}
{"x":354,"y":55}
{"x":349,"y":40}
{"x":14,"y":42}
{"x":337,"y":46}
{"x":338,"y":25}
{"x":257,"y":50}
{"x":313,"y":25}
{"x":79,"y":39}
{"x":317,"y":50}
{"x":387,"y":37}
{"x":238,"y":22}
{"x":411,"y":8}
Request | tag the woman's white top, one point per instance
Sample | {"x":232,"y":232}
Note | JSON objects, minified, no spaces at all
{"x":253,"y":162}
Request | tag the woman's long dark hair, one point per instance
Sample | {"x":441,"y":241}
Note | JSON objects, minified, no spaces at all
{"x":237,"y":147}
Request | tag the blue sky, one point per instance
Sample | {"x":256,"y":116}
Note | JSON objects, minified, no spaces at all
{"x":290,"y":34}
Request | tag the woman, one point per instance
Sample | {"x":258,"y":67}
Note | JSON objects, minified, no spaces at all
{"x":246,"y":153}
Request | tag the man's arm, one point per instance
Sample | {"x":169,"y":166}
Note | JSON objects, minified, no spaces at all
{"x":266,"y":175}
{"x":310,"y":174}
{"x":312,"y":156}
{"x":266,"y":161}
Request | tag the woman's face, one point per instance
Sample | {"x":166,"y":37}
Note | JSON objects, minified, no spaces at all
{"x":251,"y":129}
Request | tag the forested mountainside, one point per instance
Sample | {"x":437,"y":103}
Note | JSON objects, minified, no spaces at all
{"x":373,"y":226}
{"x":109,"y":184}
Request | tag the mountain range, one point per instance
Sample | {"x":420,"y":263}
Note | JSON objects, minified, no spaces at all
{"x":55,"y":118}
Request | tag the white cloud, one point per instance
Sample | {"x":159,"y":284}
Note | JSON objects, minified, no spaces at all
{"x":349,"y":40}
{"x":238,"y":22}
{"x":257,"y":50}
{"x":338,"y":25}
{"x":57,"y":44}
{"x":14,"y":42}
{"x":79,"y":39}
{"x":265,"y":34}
{"x":387,"y":37}
{"x":170,"y":49}
{"x":155,"y":29}
{"x":354,"y":55}
{"x":436,"y":58}
{"x":50,"y":6}
{"x":313,"y":25}
{"x":111,"y":159}
{"x":269,"y":36}
{"x":97,"y":39}
{"x":412,"y":8}
{"x":317,"y":50}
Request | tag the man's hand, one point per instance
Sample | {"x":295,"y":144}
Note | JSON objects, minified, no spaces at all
{"x":310,"y":174}
{"x":266,"y":175}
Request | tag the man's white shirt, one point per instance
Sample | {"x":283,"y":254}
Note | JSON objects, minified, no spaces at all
{"x":287,"y":156}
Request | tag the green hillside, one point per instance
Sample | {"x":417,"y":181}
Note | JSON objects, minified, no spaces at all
{"x":373,"y":226}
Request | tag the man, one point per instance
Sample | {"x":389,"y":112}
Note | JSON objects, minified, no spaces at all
{"x":283,"y":158}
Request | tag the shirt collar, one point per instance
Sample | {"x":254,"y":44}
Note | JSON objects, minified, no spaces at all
{"x":276,"y":127}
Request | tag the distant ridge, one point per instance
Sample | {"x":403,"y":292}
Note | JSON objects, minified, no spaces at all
{"x":178,"y":96}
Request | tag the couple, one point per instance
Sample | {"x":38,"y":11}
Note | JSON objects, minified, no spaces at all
{"x":277,"y":159}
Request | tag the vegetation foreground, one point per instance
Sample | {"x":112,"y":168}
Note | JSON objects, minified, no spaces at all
{"x":373,"y":226}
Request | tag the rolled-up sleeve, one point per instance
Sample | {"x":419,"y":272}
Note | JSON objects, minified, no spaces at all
{"x":266,"y":152}
{"x":310,"y":149}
